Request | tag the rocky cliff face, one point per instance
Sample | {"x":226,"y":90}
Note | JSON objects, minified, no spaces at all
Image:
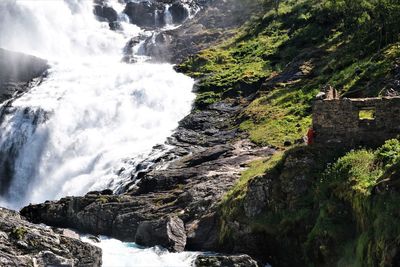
{"x":26,"y":244}
{"x":17,"y":71}
{"x":217,"y":20}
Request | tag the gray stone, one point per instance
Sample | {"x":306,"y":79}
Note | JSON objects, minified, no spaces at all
{"x":25,"y":244}
{"x":167,"y":232}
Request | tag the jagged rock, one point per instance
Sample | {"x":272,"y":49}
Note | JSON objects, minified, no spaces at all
{"x":259,"y":191}
{"x":225,"y":261}
{"x":105,"y":12}
{"x":25,"y":244}
{"x":168,"y":232}
{"x":204,"y":163}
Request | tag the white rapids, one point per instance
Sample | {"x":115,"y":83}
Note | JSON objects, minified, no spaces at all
{"x":119,"y":254}
{"x":79,"y":128}
{"x":98,"y":111}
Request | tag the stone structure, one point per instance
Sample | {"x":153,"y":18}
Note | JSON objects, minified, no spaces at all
{"x":361,"y":121}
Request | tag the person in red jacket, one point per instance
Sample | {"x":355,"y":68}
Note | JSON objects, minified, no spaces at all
{"x":310,"y":136}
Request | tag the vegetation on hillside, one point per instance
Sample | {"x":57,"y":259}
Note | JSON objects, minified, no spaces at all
{"x":322,"y":209}
{"x":281,"y":59}
{"x":322,"y":206}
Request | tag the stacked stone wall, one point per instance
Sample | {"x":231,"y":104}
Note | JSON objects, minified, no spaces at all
{"x":338,"y":121}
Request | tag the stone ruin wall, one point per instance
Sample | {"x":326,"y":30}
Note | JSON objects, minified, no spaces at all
{"x":337,"y":121}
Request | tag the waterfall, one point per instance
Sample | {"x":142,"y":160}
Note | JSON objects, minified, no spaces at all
{"x":93,"y":115}
{"x":168,"y":16}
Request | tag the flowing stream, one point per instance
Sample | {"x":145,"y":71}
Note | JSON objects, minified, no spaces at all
{"x":81,"y":127}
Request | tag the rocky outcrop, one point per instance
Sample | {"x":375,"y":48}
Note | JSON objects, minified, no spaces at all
{"x":157,"y":14}
{"x":213,"y":23}
{"x":225,"y":261}
{"x":173,"y":206}
{"x":25,"y":244}
{"x":17,"y":71}
{"x":167,"y":232}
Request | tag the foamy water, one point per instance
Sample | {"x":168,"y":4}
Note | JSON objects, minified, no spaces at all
{"x":119,"y":254}
{"x":94,"y":112}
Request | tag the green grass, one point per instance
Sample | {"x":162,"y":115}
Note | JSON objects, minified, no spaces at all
{"x":297,"y":38}
{"x":276,"y":64}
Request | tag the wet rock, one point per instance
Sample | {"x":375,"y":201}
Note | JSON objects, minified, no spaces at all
{"x":185,"y":183}
{"x":25,"y":244}
{"x":211,"y":24}
{"x":167,"y":232}
{"x":105,"y":13}
{"x":178,"y":12}
{"x":145,"y":14}
{"x":225,"y":261}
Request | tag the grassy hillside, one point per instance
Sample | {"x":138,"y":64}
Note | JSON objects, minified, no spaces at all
{"x":286,"y":56}
{"x":308,"y":206}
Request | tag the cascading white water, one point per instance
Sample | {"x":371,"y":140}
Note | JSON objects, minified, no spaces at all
{"x":119,"y":254}
{"x":100,"y":111}
{"x":76,"y":130}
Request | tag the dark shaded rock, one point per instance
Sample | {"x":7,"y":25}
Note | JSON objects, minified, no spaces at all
{"x":258,"y":197}
{"x":287,"y":143}
{"x":16,"y":71}
{"x":145,"y":14}
{"x":105,"y":12}
{"x":168,"y":232}
{"x":211,"y":24}
{"x":203,"y":234}
{"x":178,"y":12}
{"x":115,"y":26}
{"x":225,"y":261}
{"x":23,"y":243}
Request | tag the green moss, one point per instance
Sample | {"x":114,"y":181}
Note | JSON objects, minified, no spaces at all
{"x":305,"y":36}
{"x":18,"y":233}
{"x":103,"y":199}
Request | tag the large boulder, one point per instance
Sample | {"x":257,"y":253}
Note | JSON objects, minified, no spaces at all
{"x":26,"y":244}
{"x":168,"y":232}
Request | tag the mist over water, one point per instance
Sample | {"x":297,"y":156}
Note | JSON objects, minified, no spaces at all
{"x":78,"y":129}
